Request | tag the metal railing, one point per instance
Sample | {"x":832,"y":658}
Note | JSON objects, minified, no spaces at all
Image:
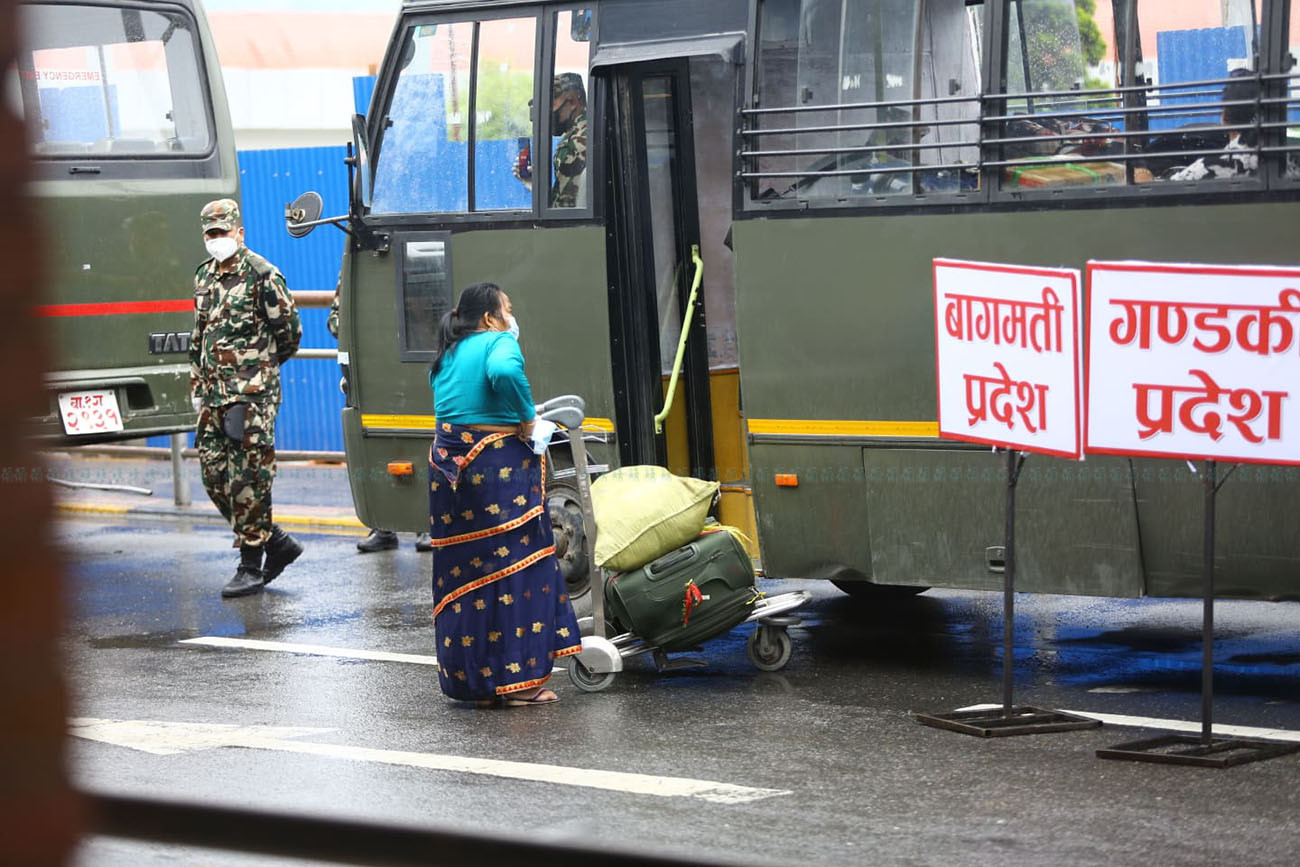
{"x":990,"y":116}
{"x":177,"y":451}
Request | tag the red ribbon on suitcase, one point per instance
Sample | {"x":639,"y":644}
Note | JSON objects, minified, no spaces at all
{"x":693,"y":597}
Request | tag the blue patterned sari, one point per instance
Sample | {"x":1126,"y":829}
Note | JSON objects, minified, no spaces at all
{"x":501,"y":610}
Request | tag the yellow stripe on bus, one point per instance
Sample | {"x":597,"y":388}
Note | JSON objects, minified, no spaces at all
{"x":829,"y":427}
{"x":373,"y":421}
{"x":397,"y":422}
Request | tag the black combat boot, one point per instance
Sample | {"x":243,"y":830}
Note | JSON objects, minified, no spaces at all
{"x":281,"y":550}
{"x":423,"y":542}
{"x":248,"y":577}
{"x":378,"y":540}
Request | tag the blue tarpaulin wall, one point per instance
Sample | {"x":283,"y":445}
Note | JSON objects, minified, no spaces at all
{"x":1197,"y":55}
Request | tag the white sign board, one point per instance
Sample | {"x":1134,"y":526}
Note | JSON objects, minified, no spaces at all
{"x":1007,"y":355}
{"x":1194,"y":361}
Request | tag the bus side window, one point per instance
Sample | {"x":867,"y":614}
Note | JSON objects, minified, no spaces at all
{"x":1065,"y":60}
{"x":1060,"y":71}
{"x":1198,"y":62}
{"x":568,"y":168}
{"x":503,"y":125}
{"x":422,"y":163}
{"x":858,"y":120}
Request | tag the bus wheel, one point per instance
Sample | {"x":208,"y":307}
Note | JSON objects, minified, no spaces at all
{"x":880,"y":592}
{"x":572,"y":549}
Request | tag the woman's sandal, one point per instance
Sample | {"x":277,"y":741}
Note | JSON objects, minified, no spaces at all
{"x":541,"y":696}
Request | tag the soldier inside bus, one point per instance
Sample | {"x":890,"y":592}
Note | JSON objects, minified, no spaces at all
{"x":569,"y":122}
{"x":1240,"y":157}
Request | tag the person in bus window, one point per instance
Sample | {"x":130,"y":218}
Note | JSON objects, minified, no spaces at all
{"x":375,"y":540}
{"x":245,"y":326}
{"x":1239,"y":159}
{"x":501,"y":613}
{"x":569,"y":122}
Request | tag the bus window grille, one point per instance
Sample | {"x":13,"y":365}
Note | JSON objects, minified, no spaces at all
{"x":1172,"y":143}
{"x":831,"y":157}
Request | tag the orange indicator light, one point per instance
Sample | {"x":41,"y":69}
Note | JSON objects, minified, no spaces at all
{"x":787,"y":480}
{"x":401,"y":468}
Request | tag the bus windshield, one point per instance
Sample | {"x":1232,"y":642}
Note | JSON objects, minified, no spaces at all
{"x":117,"y":82}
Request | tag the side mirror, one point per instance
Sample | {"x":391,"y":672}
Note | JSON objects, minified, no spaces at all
{"x":302,"y":214}
{"x":580,"y":28}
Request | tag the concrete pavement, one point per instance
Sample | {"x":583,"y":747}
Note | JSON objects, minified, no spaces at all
{"x":307,"y":494}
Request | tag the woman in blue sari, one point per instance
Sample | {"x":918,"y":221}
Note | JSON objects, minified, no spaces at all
{"x":501,"y":610}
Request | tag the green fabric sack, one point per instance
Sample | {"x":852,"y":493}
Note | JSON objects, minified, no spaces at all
{"x":644,"y":512}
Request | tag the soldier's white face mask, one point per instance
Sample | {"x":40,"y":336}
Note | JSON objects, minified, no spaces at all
{"x":221,"y":249}
{"x":512,"y":326}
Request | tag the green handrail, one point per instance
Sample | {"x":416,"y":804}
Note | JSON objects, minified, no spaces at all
{"x":681,"y":341}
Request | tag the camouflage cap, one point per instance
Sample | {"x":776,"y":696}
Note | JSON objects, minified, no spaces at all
{"x":220,"y":214}
{"x":567,"y":82}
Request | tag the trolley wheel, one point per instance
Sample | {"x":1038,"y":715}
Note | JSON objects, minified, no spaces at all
{"x":587,"y":680}
{"x":769,"y":648}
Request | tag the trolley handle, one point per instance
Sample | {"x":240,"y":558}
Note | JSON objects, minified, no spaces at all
{"x":567,"y":410}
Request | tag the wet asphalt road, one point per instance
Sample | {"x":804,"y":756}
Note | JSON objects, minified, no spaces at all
{"x":857,"y":781}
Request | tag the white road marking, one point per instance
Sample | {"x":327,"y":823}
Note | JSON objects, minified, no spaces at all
{"x":1121,"y":690}
{"x":170,"y":738}
{"x":311,"y":649}
{"x":1173,"y":725}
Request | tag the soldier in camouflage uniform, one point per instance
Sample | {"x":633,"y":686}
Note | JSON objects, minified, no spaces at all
{"x":569,"y":121}
{"x":375,"y":540}
{"x":245,"y":327}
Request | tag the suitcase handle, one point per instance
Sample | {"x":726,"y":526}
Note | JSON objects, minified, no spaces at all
{"x":668,"y":561}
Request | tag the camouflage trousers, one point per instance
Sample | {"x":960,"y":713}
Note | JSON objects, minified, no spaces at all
{"x":237,"y":474}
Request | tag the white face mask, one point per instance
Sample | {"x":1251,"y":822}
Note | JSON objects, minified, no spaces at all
{"x":221,"y":249}
{"x":512,"y":326}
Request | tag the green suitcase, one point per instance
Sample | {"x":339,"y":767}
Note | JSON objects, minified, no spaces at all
{"x":688,"y":596}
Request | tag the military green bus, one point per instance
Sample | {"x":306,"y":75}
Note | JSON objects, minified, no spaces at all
{"x":786,"y":171}
{"x":129,"y":136}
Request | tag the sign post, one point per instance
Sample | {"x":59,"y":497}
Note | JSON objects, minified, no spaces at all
{"x":1196,"y":363}
{"x":1007,"y":367}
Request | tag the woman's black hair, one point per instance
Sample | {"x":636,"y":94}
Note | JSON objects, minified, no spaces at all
{"x":463,"y":319}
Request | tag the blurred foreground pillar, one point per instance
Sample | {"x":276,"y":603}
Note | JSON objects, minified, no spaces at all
{"x":39,"y":813}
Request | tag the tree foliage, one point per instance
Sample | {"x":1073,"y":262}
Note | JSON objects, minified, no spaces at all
{"x":1062,"y":41}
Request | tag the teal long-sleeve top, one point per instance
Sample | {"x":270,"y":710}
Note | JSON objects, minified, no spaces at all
{"x":482,"y":381}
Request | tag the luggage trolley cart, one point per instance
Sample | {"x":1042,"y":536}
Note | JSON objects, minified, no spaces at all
{"x":592,"y":670}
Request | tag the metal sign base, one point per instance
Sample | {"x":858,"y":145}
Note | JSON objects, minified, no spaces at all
{"x":994,"y":723}
{"x":1007,"y":718}
{"x":1192,"y":750}
{"x":1204,"y":750}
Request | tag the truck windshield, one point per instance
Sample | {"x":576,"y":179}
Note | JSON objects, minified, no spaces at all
{"x":120,"y":82}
